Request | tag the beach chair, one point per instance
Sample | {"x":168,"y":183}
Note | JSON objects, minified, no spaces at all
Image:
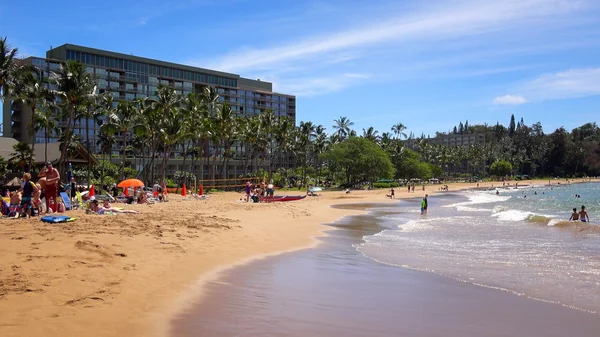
{"x":69,"y":206}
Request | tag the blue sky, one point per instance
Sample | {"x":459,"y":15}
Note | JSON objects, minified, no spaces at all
{"x":427,"y":64}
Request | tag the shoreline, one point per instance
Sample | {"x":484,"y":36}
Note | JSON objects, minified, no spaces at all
{"x":293,"y":289}
{"x":164,"y":257}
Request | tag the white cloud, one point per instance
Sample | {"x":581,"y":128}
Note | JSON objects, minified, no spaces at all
{"x":312,"y":86}
{"x":510,"y":100}
{"x":449,"y":20}
{"x":439,"y":39}
{"x":572,"y":83}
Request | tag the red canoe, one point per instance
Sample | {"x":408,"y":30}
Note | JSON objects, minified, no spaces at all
{"x":286,"y":198}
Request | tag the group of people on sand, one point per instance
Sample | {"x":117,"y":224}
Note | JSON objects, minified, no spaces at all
{"x":260,"y":193}
{"x":580,"y":216}
{"x":27,"y":200}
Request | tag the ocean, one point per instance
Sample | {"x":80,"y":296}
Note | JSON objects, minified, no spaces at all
{"x":518,"y":241}
{"x":476,"y":265}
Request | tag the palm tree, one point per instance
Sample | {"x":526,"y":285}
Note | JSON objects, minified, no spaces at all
{"x":225,"y":133}
{"x":283,"y":135}
{"x":319,"y":147}
{"x":91,"y":113}
{"x":398,"y":130}
{"x":385,"y":140}
{"x":306,"y":134}
{"x":166,"y":120}
{"x":7,"y":66}
{"x":46,"y":119}
{"x":249,"y":136}
{"x":22,"y":155}
{"x":343,"y":127}
{"x":74,"y":85}
{"x":269,"y":123}
{"x":123,"y":120}
{"x":30,"y":91}
{"x":150,"y":119}
{"x":371,"y":134}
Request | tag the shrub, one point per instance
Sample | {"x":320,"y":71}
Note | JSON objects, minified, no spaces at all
{"x":381,"y":185}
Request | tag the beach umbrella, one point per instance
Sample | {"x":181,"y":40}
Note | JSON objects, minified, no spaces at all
{"x":131,"y":183}
{"x":92,"y":191}
{"x":183,"y":191}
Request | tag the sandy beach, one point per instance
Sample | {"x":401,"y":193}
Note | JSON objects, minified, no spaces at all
{"x":128,"y":275}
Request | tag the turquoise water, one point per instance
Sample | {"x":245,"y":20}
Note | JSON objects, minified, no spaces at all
{"x":518,"y":241}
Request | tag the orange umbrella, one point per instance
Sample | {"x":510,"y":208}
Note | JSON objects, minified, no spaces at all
{"x":131,"y":183}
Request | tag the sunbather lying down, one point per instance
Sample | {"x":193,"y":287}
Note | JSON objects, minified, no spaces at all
{"x":107,"y":208}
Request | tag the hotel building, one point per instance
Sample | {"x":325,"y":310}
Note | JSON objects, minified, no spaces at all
{"x":128,"y":77}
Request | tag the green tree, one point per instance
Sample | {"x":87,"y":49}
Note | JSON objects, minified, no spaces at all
{"x":360,"y":160}
{"x":3,"y":168}
{"x":33,"y":93}
{"x":75,"y":85}
{"x":7,"y":66}
{"x":22,"y":155}
{"x":371,"y":134}
{"x":512,"y":126}
{"x":398,"y":130}
{"x":501,"y":168}
{"x":342,"y":127}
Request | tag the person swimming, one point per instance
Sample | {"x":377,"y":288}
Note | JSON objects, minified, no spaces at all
{"x":583,"y":216}
{"x":574,"y":216}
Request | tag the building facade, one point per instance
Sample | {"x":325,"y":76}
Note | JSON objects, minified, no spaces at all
{"x":129,"y":77}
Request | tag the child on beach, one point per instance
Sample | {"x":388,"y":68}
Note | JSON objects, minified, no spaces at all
{"x":29,"y":188}
{"x":15,"y":204}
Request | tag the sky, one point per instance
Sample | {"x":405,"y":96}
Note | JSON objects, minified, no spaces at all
{"x":427,"y":64}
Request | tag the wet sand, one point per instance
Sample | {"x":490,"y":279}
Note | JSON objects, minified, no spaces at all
{"x":333,"y":290}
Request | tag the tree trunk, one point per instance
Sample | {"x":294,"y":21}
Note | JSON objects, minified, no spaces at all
{"x":31,"y":166}
{"x":46,"y":136}
{"x":87,"y":148}
{"x":63,"y":152}
{"x":183,"y":170}
{"x":124,"y":156}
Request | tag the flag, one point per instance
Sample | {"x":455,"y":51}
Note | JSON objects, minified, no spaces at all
{"x":92,"y":191}
{"x":183,"y":191}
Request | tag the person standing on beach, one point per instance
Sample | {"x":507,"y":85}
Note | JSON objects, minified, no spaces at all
{"x":424,"y":205}
{"x":248,"y":190}
{"x":392,"y":195}
{"x":52,"y":178}
{"x":583,"y":216}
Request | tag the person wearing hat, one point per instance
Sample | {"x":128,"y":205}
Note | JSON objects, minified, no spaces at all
{"x":52,"y":177}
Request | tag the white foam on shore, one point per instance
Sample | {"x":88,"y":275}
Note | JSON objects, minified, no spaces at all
{"x":479,"y":198}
